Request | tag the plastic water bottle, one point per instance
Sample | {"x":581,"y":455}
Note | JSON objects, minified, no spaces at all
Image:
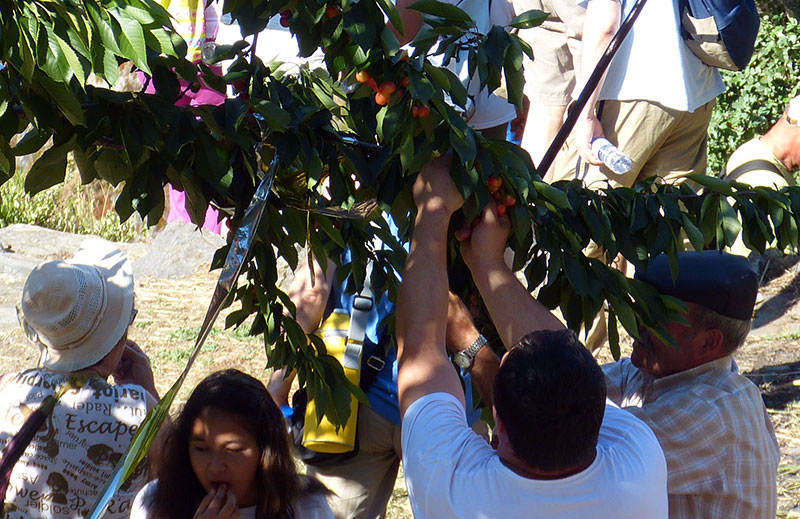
{"x":616,"y":161}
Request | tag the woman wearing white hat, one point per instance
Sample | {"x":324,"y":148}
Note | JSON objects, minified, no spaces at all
{"x":78,"y":313}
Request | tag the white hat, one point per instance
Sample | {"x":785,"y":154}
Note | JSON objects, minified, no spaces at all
{"x":78,"y":310}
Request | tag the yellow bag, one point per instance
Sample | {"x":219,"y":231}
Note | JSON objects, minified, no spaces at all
{"x":334,"y":331}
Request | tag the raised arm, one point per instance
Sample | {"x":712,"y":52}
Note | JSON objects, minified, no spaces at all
{"x":412,"y":22}
{"x":422,"y":300}
{"x":514,"y":311}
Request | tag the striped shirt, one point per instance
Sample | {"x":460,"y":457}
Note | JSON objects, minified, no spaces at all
{"x":721,"y":450}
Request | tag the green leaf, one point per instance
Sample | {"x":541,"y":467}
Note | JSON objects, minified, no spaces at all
{"x":50,"y":169}
{"x":393,"y":14}
{"x":85,"y":165}
{"x":442,"y":10}
{"x":613,"y":335}
{"x":55,"y":64}
{"x":111,"y":166}
{"x":8,"y":162}
{"x":64,"y":99}
{"x":72,"y":58}
{"x":131,"y":40}
{"x":552,"y":194}
{"x":528,"y":19}
{"x":277,"y":118}
{"x":713,"y":183}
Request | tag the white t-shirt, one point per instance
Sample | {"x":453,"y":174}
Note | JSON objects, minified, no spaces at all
{"x":308,"y":506}
{"x":451,"y":472}
{"x":655,"y":64}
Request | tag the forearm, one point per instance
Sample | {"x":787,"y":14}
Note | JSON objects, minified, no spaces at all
{"x":514,"y":311}
{"x":412,"y":22}
{"x":422,"y":313}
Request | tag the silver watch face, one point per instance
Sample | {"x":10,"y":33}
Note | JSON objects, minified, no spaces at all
{"x":462,"y":360}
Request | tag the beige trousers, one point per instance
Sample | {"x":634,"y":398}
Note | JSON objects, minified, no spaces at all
{"x":661,"y":142}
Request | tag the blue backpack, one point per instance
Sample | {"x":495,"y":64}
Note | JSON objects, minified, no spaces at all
{"x":722,"y":33}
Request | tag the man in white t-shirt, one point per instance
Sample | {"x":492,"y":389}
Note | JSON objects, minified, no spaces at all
{"x":654,"y":102}
{"x":562,"y":450}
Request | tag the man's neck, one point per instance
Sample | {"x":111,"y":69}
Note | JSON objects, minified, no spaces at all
{"x":786,"y":154}
{"x":521,"y":469}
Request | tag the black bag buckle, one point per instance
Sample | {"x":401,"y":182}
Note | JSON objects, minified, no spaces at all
{"x":375,"y":363}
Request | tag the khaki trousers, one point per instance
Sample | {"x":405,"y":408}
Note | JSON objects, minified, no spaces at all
{"x":661,"y":142}
{"x":363,"y":484}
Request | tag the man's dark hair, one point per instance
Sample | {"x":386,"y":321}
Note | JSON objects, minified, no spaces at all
{"x":550,"y":395}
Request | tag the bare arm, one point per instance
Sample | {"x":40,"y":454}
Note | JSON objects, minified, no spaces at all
{"x":601,"y":23}
{"x":461,"y":333}
{"x":422,"y":300}
{"x":310,"y":302}
{"x":513,"y":310}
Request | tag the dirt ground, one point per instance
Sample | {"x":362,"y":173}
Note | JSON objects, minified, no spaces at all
{"x":171,"y":310}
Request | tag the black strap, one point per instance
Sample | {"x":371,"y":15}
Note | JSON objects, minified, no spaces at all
{"x":750,"y":165}
{"x":373,"y":364}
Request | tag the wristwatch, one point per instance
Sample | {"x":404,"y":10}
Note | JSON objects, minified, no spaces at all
{"x":464,"y":358}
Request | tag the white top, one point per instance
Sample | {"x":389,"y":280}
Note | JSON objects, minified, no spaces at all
{"x":490,"y":110}
{"x":451,"y":472}
{"x":308,"y":506}
{"x":62,"y":470}
{"x":655,"y":64}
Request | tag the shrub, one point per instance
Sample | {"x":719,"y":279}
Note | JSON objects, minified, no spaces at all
{"x":756,"y":96}
{"x":69,"y":207}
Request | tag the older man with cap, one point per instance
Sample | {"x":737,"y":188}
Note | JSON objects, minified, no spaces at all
{"x":78,"y":313}
{"x":722,"y":455}
{"x":721,"y":451}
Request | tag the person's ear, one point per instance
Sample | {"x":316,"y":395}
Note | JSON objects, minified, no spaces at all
{"x":712,"y":346}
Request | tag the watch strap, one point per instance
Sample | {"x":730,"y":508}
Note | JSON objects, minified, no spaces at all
{"x":475,"y":347}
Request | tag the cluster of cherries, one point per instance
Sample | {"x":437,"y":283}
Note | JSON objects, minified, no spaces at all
{"x":384,"y":92}
{"x":504,"y":200}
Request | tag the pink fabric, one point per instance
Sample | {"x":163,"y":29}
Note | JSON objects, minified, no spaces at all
{"x":177,"y":199}
{"x":177,"y":211}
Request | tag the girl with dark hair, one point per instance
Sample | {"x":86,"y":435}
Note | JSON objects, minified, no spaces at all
{"x":228,"y":457}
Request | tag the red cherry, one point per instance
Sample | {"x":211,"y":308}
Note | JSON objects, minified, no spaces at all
{"x":362,"y":76}
{"x":423,"y":112}
{"x":388,"y":88}
{"x":332,"y":11}
{"x":405,"y":82}
{"x":501,"y":210}
{"x":381,"y":99}
{"x":509,"y":201}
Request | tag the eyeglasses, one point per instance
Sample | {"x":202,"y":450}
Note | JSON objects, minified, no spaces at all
{"x":133,"y":316}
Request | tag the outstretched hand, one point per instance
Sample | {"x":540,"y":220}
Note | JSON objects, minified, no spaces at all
{"x":434,"y":190}
{"x":485,"y":241}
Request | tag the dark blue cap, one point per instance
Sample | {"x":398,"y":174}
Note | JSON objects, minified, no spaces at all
{"x":723,"y":282}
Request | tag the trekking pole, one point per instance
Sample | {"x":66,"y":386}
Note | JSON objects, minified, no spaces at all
{"x":591,"y":84}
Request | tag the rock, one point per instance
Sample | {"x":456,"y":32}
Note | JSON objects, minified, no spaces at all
{"x":178,"y":251}
{"x":41,"y":244}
